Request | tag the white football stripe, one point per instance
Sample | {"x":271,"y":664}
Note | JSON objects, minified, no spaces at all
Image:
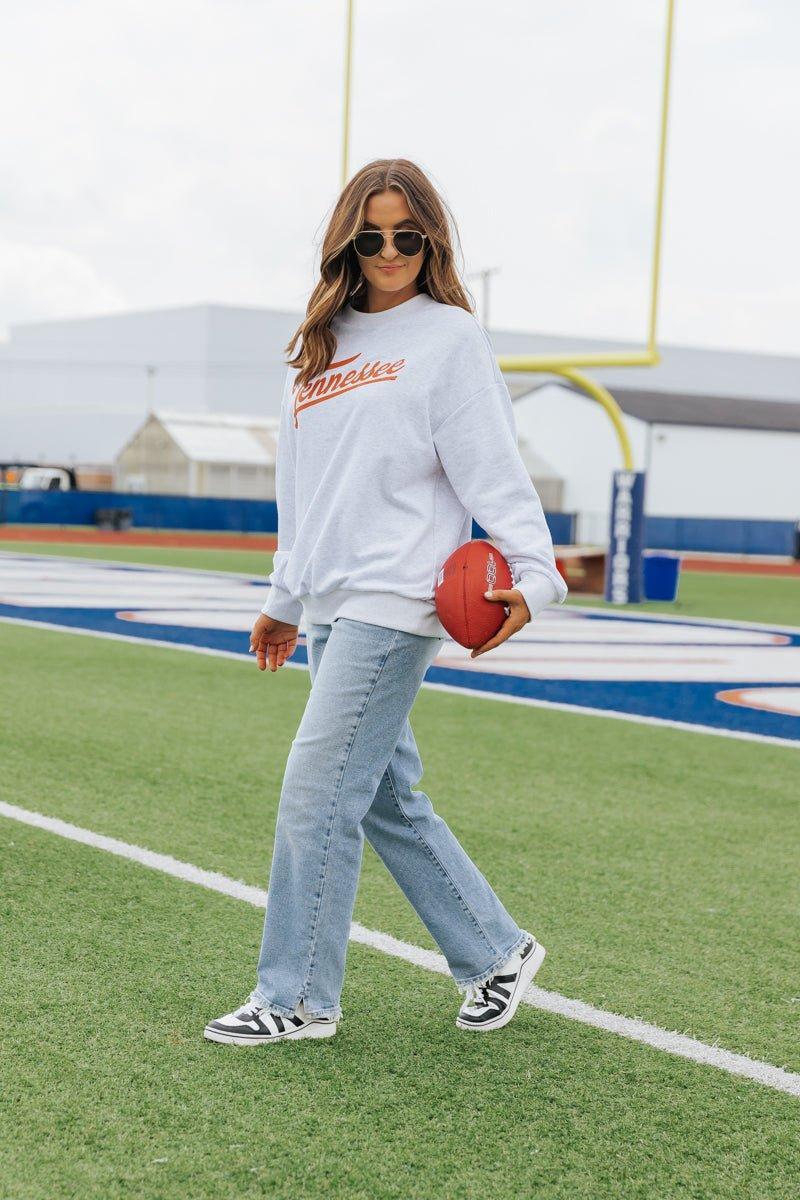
{"x":784,"y":700}
{"x":572,"y":644}
{"x":670,"y":1041}
{"x":201,"y":617}
{"x":646,"y":663}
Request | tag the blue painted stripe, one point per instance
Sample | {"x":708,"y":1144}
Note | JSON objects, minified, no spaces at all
{"x":688,"y":702}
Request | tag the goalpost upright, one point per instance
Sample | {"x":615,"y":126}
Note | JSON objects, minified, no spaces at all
{"x":569,"y":364}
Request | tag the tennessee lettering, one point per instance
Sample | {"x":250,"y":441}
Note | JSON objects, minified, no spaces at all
{"x":336,"y":381}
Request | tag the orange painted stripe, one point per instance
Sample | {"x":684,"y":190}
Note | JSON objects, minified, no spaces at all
{"x":735,"y":566}
{"x":126,"y":537}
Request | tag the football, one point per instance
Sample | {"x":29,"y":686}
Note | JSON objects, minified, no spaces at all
{"x":461,"y":606}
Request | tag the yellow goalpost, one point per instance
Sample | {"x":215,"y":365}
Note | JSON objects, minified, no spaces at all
{"x":569,"y":365}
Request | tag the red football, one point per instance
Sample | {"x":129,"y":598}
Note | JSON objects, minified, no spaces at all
{"x":461,"y":606}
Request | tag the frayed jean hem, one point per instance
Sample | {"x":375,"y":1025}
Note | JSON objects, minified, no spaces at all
{"x":482,"y":977}
{"x":333,"y":1010}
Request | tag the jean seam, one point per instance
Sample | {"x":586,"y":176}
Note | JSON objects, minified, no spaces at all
{"x":434,"y":856}
{"x":329,"y":831}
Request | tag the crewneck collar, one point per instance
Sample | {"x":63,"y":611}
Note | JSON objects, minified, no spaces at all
{"x":354,"y":319}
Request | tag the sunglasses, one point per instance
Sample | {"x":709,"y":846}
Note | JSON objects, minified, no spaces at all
{"x":370,"y":242}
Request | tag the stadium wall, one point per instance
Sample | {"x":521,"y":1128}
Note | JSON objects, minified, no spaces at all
{"x":153,"y":511}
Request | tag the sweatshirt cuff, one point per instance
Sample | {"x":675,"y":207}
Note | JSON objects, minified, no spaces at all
{"x":539,"y":591}
{"x":281,"y":606}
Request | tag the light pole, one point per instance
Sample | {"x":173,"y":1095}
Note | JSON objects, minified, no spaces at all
{"x":348,"y":56}
{"x":485,"y":275}
{"x":150,"y":373}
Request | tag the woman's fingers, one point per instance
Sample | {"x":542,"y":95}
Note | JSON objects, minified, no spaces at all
{"x":509,"y":626}
{"x":518,"y":616}
{"x":277,"y":655}
{"x":273,"y":654}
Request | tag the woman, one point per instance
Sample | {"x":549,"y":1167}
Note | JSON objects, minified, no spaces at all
{"x":396,"y":429}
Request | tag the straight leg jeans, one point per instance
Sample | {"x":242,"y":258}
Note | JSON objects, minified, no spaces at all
{"x":350,"y":774}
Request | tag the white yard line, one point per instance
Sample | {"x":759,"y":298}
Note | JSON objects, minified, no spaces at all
{"x":138,"y":641}
{"x":576,"y":606}
{"x":670,"y":1042}
{"x":559,"y":706}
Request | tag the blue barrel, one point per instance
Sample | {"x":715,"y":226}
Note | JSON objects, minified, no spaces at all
{"x":660,"y":573}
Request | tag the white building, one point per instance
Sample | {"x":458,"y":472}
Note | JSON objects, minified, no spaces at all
{"x":718,"y":431}
{"x":76,"y":390}
{"x":200,"y":454}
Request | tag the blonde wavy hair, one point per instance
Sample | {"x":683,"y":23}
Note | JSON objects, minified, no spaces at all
{"x":341,"y":281}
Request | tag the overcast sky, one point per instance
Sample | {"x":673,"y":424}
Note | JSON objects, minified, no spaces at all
{"x":185,"y":151}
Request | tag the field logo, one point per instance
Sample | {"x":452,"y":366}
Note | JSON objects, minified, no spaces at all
{"x":623,"y":582}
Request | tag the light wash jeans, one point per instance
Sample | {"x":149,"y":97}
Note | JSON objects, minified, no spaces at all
{"x":350,"y":773}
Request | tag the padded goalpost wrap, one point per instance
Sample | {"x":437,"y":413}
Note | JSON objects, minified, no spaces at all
{"x":623,"y":580}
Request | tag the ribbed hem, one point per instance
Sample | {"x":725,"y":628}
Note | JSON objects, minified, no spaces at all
{"x":375,"y":608}
{"x":281,"y":606}
{"x":539,"y":590}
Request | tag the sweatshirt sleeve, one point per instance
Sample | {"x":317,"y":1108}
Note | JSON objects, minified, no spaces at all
{"x":280,"y":604}
{"x":477,"y":446}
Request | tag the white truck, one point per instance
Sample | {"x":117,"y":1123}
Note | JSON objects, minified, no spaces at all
{"x":49,"y":479}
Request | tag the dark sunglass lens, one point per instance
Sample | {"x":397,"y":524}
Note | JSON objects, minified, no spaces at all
{"x":408,"y":242}
{"x":368,"y":244}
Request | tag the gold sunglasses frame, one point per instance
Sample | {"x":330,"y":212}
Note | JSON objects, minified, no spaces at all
{"x":392,"y":233}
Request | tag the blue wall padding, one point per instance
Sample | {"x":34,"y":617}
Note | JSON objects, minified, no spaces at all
{"x":719,"y":534}
{"x":261,"y":516}
{"x":148,"y":510}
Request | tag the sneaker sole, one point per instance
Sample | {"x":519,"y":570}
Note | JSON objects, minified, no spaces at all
{"x":529,"y":968}
{"x":317,"y":1030}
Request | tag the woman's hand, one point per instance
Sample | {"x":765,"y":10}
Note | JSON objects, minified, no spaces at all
{"x":519,"y":615}
{"x":273,"y":639}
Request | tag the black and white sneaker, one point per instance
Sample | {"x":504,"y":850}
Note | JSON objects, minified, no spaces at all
{"x":252,"y":1025}
{"x":492,"y":1004}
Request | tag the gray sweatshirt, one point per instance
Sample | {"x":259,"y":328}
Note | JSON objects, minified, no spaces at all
{"x":383,"y":461}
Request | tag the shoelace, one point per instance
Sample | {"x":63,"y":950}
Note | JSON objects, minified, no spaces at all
{"x":477,"y":995}
{"x":248,"y":1012}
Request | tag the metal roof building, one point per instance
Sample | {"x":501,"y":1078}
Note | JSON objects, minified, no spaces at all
{"x":717,"y":430}
{"x":200,"y":454}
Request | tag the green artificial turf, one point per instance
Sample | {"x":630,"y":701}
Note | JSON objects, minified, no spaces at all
{"x":249,"y":562}
{"x":658,"y":867}
{"x":770,"y":599}
{"x":109,"y":1090}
